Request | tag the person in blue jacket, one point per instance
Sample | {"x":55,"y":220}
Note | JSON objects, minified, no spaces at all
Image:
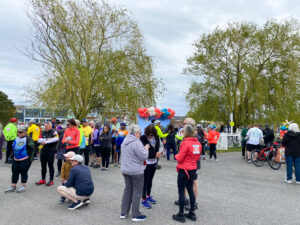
{"x":79,"y":186}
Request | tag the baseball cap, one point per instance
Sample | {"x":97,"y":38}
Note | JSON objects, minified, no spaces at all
{"x":198,"y":126}
{"x":84,"y":120}
{"x":77,"y":158}
{"x":156,"y":122}
{"x":13,"y":120}
{"x":69,"y":154}
{"x":123,"y":124}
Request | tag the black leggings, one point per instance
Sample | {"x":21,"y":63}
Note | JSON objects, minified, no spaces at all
{"x":9,"y":150}
{"x":59,"y":164}
{"x":105,"y":153}
{"x":148,"y":178}
{"x":183,"y":181}
{"x":212,"y":150}
{"x":20,"y":167}
{"x":47,"y":158}
{"x":86,"y":153}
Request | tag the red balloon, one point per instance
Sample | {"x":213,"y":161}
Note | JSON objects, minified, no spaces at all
{"x":140,"y":110}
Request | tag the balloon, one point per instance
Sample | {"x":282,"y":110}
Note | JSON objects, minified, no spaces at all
{"x":140,"y":110}
{"x":151,"y":111}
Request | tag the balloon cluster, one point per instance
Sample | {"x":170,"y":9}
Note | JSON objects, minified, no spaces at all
{"x":156,"y":113}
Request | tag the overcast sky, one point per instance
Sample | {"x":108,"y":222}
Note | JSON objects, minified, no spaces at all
{"x":169,"y":27}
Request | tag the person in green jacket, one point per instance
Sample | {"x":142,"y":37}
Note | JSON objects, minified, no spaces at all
{"x":244,"y":140}
{"x":158,"y":128}
{"x":10,"y":134}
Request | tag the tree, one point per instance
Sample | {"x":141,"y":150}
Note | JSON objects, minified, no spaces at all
{"x":94,"y":58}
{"x":7,"y":108}
{"x":249,"y":70}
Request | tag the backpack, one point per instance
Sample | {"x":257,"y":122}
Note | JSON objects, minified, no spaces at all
{"x":82,"y":145}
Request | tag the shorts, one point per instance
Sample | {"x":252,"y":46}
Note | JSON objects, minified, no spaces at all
{"x":97,"y":151}
{"x":251,"y":147}
{"x":72,"y":192}
{"x":118,"y":149}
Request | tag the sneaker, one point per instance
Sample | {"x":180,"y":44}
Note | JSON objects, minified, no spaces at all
{"x":22,"y":189}
{"x":288,"y":181}
{"x":35,"y":158}
{"x":158,"y":167}
{"x":249,"y":161}
{"x":146,"y":204}
{"x":191,"y":216}
{"x":186,"y":202}
{"x":123,"y":216}
{"x":203,"y":158}
{"x":96,"y":166}
{"x":179,"y":217}
{"x":57,"y":174}
{"x":105,"y":170}
{"x":92,"y":165}
{"x":40,"y":182}
{"x":243,"y":157}
{"x":116,"y":165}
{"x":151,"y":200}
{"x":86,"y":201}
{"x":62,"y":200}
{"x":139,"y":218}
{"x":75,"y":205}
{"x":297,"y":182}
{"x":217,"y":160}
{"x":50,"y":183}
{"x":10,"y":189}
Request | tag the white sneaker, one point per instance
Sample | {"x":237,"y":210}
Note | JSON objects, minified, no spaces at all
{"x":288,"y":181}
{"x":297,"y":182}
{"x":217,"y":160}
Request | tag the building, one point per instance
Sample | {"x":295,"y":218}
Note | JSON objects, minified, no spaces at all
{"x":25,"y":114}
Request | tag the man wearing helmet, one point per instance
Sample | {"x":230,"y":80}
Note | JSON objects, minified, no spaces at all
{"x":10,"y":134}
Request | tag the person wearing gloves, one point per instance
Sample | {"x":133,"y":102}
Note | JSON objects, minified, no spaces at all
{"x":23,"y":151}
{"x":79,"y":186}
{"x":189,"y":154}
{"x":156,"y":147}
{"x":132,"y":157}
{"x":48,"y":140}
{"x":10,"y":134}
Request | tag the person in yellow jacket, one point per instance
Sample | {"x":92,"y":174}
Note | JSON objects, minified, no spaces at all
{"x":81,"y":138}
{"x":10,"y":134}
{"x":34,"y":133}
{"x":87,"y":132}
{"x":158,"y":128}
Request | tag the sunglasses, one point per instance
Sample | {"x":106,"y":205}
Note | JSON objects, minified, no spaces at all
{"x":68,"y":124}
{"x":20,"y":132}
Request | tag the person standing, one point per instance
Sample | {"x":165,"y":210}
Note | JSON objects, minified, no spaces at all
{"x":105,"y":146}
{"x":48,"y":140}
{"x":61,"y":150}
{"x":87,"y":132}
{"x":171,"y":142}
{"x":254,"y":135}
{"x":114,"y":127}
{"x":10,"y":134}
{"x":244,"y":140}
{"x":34,"y":133}
{"x":79,"y":186}
{"x":202,"y":136}
{"x":96,"y":141}
{"x":121,"y":135}
{"x":132,"y":157}
{"x":23,"y":152}
{"x":189,"y":154}
{"x":71,"y":137}
{"x":291,"y":142}
{"x":269,"y":136}
{"x":2,"y":140}
{"x":213,"y":137}
{"x":150,"y":138}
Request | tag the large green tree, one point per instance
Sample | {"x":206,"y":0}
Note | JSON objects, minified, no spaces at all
{"x":93,"y":56}
{"x":248,"y":70}
{"x":7,"y":108}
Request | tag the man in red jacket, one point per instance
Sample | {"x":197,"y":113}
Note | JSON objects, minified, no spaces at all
{"x":213,"y":137}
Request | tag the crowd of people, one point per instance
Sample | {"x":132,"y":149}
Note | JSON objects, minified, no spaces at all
{"x":81,"y":144}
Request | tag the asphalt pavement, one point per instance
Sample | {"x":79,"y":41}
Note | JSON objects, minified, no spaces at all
{"x":231,"y":192}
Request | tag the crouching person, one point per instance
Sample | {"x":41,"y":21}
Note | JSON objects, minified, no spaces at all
{"x":79,"y":186}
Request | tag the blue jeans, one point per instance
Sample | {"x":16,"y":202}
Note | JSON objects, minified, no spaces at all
{"x":169,"y":147}
{"x":290,"y":162}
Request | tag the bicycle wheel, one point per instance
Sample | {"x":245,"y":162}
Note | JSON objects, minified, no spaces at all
{"x":272,"y":161}
{"x":257,"y":159}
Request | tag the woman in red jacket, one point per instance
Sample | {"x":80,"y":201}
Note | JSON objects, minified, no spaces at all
{"x":189,"y":154}
{"x":71,"y":137}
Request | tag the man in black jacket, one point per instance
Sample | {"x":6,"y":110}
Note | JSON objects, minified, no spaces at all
{"x":49,"y":142}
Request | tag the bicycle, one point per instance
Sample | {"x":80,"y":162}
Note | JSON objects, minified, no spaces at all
{"x":268,"y":154}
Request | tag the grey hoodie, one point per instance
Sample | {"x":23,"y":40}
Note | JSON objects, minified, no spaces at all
{"x":133,"y":155}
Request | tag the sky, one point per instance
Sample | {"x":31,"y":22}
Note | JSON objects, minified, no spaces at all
{"x":170,"y":27}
